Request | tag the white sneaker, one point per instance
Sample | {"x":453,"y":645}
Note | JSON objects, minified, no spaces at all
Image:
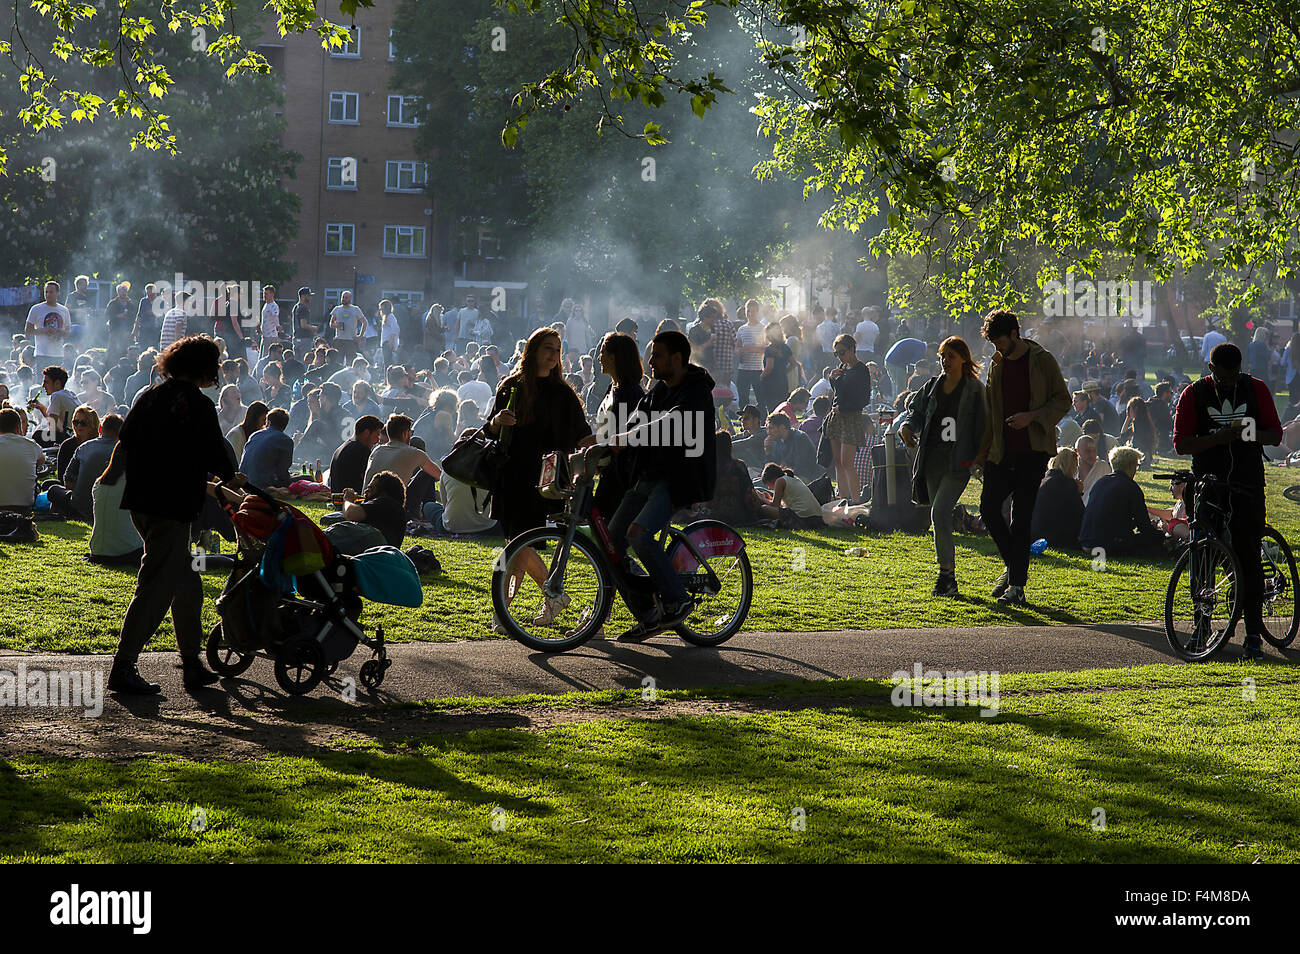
{"x":550,"y":609}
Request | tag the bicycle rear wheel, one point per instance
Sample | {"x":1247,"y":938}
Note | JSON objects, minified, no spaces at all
{"x":575,"y":615}
{"x":717,"y":616}
{"x":1202,"y":603}
{"x":1281,"y":590}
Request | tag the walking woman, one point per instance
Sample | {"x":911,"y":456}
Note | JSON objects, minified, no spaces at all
{"x":543,"y":414}
{"x":949,"y":413}
{"x":846,"y":427}
{"x":621,"y":360}
{"x":172,"y":444}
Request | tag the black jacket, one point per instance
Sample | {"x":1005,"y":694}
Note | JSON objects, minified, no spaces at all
{"x":691,"y":476}
{"x":1058,"y":512}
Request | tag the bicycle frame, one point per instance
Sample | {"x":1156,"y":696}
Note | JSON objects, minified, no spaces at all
{"x":571,"y":517}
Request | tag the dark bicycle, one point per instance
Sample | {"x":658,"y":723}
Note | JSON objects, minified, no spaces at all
{"x":576,"y":596}
{"x":1203,"y":602}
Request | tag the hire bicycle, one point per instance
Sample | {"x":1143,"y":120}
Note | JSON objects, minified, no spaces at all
{"x":583,"y":575}
{"x":1203,"y":602}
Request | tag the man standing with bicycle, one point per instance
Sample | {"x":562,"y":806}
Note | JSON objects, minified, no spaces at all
{"x":667,"y":474}
{"x":1223,"y":421}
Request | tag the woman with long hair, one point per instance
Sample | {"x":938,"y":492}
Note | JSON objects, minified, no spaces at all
{"x":543,"y":414}
{"x":846,"y":427}
{"x":230,"y":408}
{"x":1139,"y":430}
{"x":254,"y":420}
{"x":945,"y":421}
{"x":621,"y":360}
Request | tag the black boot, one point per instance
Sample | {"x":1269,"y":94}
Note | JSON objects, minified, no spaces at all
{"x":127,"y":679}
{"x":195,"y":675}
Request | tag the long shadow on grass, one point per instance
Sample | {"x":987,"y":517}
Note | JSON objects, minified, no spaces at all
{"x":874,"y":783}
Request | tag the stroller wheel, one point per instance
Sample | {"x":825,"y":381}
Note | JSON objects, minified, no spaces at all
{"x":330,"y":669}
{"x":372,"y":672}
{"x":300,"y":665}
{"x":224,"y":658}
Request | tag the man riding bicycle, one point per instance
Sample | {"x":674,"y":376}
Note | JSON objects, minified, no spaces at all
{"x":674,"y":466}
{"x":1224,"y":420}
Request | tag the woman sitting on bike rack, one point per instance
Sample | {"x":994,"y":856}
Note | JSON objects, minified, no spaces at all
{"x":1223,"y":421}
{"x":544,"y":414}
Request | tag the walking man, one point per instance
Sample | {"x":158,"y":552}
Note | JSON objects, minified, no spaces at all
{"x":1026,"y":396}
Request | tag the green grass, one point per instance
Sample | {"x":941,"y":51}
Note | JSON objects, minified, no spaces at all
{"x":1185,"y":768}
{"x":803,"y":582}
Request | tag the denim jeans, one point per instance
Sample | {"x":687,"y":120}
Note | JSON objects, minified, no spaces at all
{"x":945,"y":489}
{"x":649,"y":505}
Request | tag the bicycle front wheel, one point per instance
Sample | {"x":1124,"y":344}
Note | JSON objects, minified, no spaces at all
{"x":583,"y":584}
{"x":718,"y":615}
{"x":1281,"y":590}
{"x":1202,"y":603}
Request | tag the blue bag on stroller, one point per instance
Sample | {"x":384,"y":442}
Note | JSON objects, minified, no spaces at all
{"x":387,"y":575}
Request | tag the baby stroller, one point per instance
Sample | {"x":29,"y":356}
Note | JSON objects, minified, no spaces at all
{"x":292,"y":599}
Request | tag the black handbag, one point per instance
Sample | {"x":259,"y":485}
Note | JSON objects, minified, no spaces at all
{"x":478,"y":459}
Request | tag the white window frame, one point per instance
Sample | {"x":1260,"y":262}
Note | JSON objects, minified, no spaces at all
{"x":348,"y":96}
{"x":405,"y":295}
{"x":332,"y":297}
{"x":342,"y":228}
{"x":409,"y":231}
{"x":404,"y":165}
{"x":350,"y":50}
{"x":392,"y":53}
{"x":414,"y":102}
{"x":336,"y":162}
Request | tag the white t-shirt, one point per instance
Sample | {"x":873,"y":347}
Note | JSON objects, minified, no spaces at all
{"x":391,"y":329}
{"x":270,"y":320}
{"x":468,"y":319}
{"x":827,"y":332}
{"x":173,"y":328}
{"x":460,"y":515}
{"x":800,"y":499}
{"x":480,"y":392}
{"x":60,"y":408}
{"x":351,"y":316}
{"x":50,"y":317}
{"x":821,"y":387}
{"x":866,"y":334}
{"x":751,"y":341}
{"x":1099,"y":470}
{"x":19,"y":457}
{"x":1211,"y":341}
{"x":112,"y":532}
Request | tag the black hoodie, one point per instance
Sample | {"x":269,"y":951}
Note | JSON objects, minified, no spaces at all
{"x":691,"y":479}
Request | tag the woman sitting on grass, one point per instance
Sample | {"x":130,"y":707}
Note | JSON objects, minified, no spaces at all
{"x":798,"y":505}
{"x":114,"y":540}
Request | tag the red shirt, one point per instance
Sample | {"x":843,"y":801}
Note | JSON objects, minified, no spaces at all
{"x":1015,"y":399}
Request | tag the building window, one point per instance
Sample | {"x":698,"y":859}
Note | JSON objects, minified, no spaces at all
{"x":401,"y":111}
{"x":340,"y":238}
{"x":344,"y":106}
{"x":406,"y":176}
{"x":404,"y":241}
{"x":411,"y":299}
{"x":333,"y":296}
{"x":392,"y":50}
{"x":352,"y":48}
{"x":342,"y":173}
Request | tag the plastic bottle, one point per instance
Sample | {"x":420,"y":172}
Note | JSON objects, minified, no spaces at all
{"x":856,"y":551}
{"x":319,"y":472}
{"x":1038,"y":546}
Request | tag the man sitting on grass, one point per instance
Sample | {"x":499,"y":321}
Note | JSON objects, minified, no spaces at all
{"x":268,"y":455}
{"x":1116,"y":517}
{"x":19,"y":458}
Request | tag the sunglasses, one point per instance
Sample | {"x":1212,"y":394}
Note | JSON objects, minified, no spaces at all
{"x":81,"y":421}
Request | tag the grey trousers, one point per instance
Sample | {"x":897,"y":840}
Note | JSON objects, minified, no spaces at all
{"x":167,"y":580}
{"x":945,"y":490}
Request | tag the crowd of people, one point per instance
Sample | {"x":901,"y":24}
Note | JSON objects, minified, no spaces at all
{"x":122,"y":435}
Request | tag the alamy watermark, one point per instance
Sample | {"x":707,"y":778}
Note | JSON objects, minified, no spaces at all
{"x":671,"y":428}
{"x":934,"y":688}
{"x":1089,"y":299}
{"x":21,"y":687}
